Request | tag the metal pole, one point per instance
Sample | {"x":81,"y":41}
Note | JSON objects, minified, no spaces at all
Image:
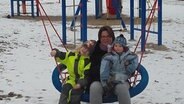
{"x":63,"y":4}
{"x":132,"y":19}
{"x":159,"y":22}
{"x":12,"y":8}
{"x":143,"y":24}
{"x":32,"y":7}
{"x":84,"y":21}
{"x":98,"y":8}
{"x":74,"y":20}
{"x":75,"y":17}
{"x":18,"y":7}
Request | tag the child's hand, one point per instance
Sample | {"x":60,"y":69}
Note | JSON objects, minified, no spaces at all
{"x":53,"y":53}
{"x":77,"y":86}
{"x":109,"y":48}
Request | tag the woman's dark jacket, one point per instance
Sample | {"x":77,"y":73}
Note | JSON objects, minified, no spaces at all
{"x":96,"y":58}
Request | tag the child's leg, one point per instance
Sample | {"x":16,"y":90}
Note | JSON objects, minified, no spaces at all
{"x":76,"y":96}
{"x":64,"y":93}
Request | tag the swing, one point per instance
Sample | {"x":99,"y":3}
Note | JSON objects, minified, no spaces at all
{"x":138,"y":81}
{"x":134,"y":89}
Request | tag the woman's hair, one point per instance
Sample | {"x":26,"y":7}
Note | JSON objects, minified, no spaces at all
{"x":109,"y":31}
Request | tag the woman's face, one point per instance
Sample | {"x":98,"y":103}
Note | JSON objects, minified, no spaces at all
{"x":105,"y":39}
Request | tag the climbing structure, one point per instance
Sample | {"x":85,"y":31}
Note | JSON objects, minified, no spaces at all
{"x":26,"y":5}
{"x":82,"y":9}
{"x":113,"y":8}
{"x":146,"y":20}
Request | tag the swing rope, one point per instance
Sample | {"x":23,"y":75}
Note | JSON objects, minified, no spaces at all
{"x":47,"y":35}
{"x":40,"y":5}
{"x":149,"y":20}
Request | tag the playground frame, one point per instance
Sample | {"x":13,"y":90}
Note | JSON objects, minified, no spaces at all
{"x":82,"y":8}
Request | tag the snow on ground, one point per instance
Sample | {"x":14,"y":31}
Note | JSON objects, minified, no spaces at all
{"x":26,"y":66}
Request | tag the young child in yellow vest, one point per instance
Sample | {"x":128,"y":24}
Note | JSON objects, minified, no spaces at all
{"x":78,"y":65}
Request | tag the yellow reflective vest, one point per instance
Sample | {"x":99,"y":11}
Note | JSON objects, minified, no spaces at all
{"x":77,"y":66}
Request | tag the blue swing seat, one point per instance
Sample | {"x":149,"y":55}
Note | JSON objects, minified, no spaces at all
{"x":134,"y":90}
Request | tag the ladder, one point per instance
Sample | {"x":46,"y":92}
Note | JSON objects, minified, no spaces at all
{"x":82,"y":8}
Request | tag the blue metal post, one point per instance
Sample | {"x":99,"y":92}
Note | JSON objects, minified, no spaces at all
{"x":32,"y":8}
{"x":75,"y":17}
{"x":132,"y":19}
{"x":117,"y":5}
{"x":143,"y":24}
{"x":12,"y":8}
{"x":123,"y":24}
{"x":18,"y":7}
{"x":98,"y":8}
{"x":64,"y":21}
{"x":37,"y":8}
{"x":84,"y":21}
{"x":159,"y":22}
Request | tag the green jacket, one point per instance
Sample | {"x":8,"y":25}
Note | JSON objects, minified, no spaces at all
{"x":77,"y":66}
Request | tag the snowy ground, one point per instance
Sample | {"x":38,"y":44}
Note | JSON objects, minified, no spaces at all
{"x":26,"y":66}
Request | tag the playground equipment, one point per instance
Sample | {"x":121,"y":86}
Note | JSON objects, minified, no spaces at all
{"x":113,"y":8}
{"x":144,"y":20}
{"x":82,"y":9}
{"x":134,"y":90}
{"x":24,"y":3}
{"x":138,"y":81}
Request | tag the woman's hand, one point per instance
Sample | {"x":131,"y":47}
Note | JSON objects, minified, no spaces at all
{"x":77,"y":86}
{"x":53,"y":53}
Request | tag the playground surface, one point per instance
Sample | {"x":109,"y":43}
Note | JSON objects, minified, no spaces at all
{"x":26,"y":66}
{"x":91,"y":19}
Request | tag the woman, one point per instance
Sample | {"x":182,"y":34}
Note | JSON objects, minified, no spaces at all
{"x":105,"y":38}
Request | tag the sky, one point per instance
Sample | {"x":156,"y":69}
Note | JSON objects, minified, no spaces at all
{"x":26,"y":65}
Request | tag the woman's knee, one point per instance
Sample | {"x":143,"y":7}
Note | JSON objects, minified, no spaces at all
{"x":96,"y":93}
{"x":96,"y":87}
